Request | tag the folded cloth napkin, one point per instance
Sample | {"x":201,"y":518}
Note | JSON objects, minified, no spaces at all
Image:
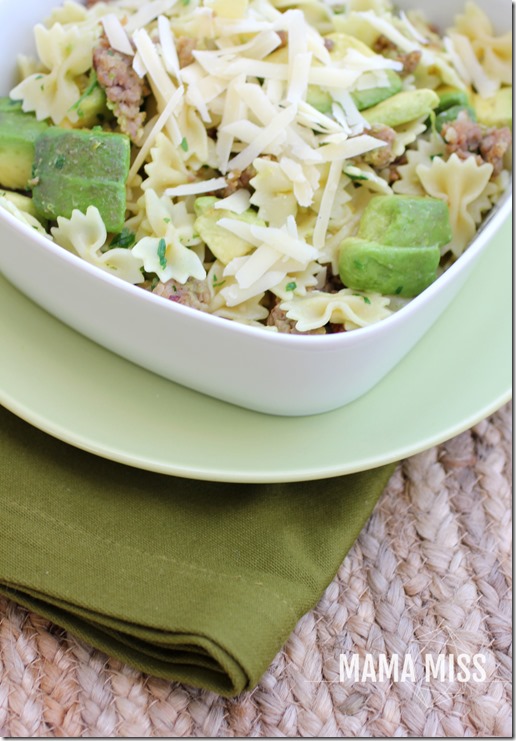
{"x":192,"y":581}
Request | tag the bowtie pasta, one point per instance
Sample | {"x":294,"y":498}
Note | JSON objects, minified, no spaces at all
{"x":299,"y":167}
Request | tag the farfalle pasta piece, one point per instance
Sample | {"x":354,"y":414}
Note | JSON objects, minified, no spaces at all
{"x":493,"y":52}
{"x":460,"y":183}
{"x":274,"y":192}
{"x":66,"y":53}
{"x":22,"y":215}
{"x":166,"y":168}
{"x":347,"y":307}
{"x":86,"y":236}
{"x":424,"y":153}
{"x":165,"y":252}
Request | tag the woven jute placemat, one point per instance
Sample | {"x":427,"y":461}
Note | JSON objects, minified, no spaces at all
{"x":429,"y":575}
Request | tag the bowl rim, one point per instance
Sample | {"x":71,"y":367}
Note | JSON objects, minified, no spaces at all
{"x":495,"y":217}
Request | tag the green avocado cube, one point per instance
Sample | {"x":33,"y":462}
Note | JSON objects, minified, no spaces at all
{"x":450,"y":97}
{"x":76,"y":168}
{"x":372,"y":96}
{"x":224,"y":245}
{"x":403,"y":107}
{"x":18,"y":132}
{"x":390,"y":270}
{"x":406,"y":221}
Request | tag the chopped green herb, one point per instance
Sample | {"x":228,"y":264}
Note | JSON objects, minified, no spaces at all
{"x":184,"y":144}
{"x":60,"y":162}
{"x":125,"y":239}
{"x":162,"y":249}
{"x":91,"y":87}
{"x":216,"y":282}
{"x":154,"y":283}
{"x":166,"y":220}
{"x":291,"y":286}
{"x":398,"y":290}
{"x":367,"y":300}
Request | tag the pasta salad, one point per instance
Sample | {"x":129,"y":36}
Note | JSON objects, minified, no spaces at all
{"x":302,"y":167}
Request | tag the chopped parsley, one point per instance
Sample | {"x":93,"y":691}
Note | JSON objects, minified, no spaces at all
{"x":398,"y":290}
{"x":217,"y":283}
{"x":291,"y":286}
{"x":184,"y":144}
{"x":162,"y":249}
{"x":367,"y":300}
{"x":94,"y":83}
{"x":166,"y":220}
{"x":125,"y":239}
{"x":60,"y":162}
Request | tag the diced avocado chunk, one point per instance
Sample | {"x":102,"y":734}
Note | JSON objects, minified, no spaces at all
{"x":406,"y":221}
{"x":76,"y":168}
{"x":224,"y":245}
{"x":403,"y":107}
{"x":8,"y":104}
{"x":18,"y":132}
{"x":452,"y":114}
{"x":319,"y":99}
{"x":92,"y":108}
{"x":450,"y":97}
{"x":397,"y":249}
{"x":365,"y":265}
{"x":372,"y":96}
{"x":495,"y":110}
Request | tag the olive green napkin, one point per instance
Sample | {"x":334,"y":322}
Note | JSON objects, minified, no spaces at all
{"x":193,"y":581}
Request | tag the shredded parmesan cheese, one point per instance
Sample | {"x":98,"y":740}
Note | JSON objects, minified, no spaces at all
{"x":116,"y":35}
{"x":195,"y":189}
{"x":330,"y":191}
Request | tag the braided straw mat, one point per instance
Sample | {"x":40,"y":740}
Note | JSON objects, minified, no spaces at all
{"x":430,"y":573}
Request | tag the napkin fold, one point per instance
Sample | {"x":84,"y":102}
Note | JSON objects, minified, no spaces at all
{"x":193,"y":581}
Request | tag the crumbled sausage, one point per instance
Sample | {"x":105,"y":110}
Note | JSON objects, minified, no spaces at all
{"x":239,"y":181}
{"x":383,"y":156}
{"x":278,"y":318}
{"x":185,"y":47}
{"x":387,"y":48}
{"x":125,"y":91}
{"x":462,"y":136}
{"x":494,"y":146}
{"x":466,"y":138}
{"x":409,"y":61}
{"x":194,"y":293}
{"x":383,"y":44}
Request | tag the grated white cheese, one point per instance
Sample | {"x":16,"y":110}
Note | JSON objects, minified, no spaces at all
{"x":266,"y":136}
{"x":299,"y":78}
{"x":485,"y":85}
{"x":412,"y":29}
{"x":330,"y":191}
{"x":194,"y":189}
{"x":147,"y":13}
{"x":256,"y":265}
{"x":158,"y":126}
{"x":116,"y":35}
{"x":353,"y":147}
{"x":237,"y":202}
{"x":388,"y":30}
{"x":168,"y":47}
{"x":160,"y":82}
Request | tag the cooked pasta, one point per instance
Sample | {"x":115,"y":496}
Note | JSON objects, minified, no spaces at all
{"x":263,"y":136}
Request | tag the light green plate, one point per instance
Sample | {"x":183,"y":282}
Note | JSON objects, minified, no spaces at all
{"x":75,"y":390}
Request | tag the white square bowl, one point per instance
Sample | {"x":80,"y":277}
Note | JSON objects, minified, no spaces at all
{"x":268,"y":372}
